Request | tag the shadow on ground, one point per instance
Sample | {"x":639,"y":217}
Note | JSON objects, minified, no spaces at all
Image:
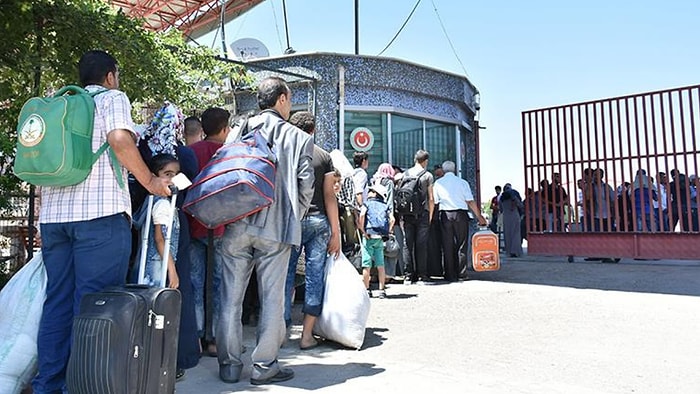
{"x":662,"y":277}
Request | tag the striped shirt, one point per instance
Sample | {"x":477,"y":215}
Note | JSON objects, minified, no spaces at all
{"x":99,"y":195}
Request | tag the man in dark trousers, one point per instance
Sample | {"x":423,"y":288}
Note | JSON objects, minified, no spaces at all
{"x":454,"y":196}
{"x":495,"y":210}
{"x":264,"y":241}
{"x":416,"y":227}
{"x":86,"y":228}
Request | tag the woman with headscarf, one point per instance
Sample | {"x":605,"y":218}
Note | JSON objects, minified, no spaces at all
{"x":164,"y":135}
{"x":385,"y":177}
{"x":511,"y":205}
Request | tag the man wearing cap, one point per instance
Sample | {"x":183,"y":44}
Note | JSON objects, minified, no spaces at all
{"x":375,"y":222}
{"x":454,"y":197}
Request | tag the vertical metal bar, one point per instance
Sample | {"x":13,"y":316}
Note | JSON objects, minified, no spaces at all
{"x":458,"y":143}
{"x":674,"y":152}
{"x":650,"y":191}
{"x":538,"y":124}
{"x":694,"y":151}
{"x":639,"y":164}
{"x":573,"y":166}
{"x":535,"y":181}
{"x":560,"y":191}
{"x":583,"y":168}
{"x":596,"y":152}
{"x":357,"y":27}
{"x":632,"y":200}
{"x":341,"y":108}
{"x":686,"y":181}
{"x":567,"y":160}
{"x":625,"y":218}
{"x":613,"y":219}
{"x":527,"y":167}
{"x":551,"y":163}
{"x":659,"y":203}
{"x":390,"y":143}
{"x":669,"y":206}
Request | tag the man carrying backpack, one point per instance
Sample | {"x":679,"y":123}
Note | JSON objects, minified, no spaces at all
{"x":413,"y":202}
{"x":86,"y":228}
{"x":264,"y":241}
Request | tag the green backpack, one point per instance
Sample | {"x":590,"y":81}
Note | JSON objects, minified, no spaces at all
{"x":54,"y":139}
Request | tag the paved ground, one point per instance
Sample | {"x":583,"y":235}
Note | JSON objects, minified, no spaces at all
{"x":539,"y":325}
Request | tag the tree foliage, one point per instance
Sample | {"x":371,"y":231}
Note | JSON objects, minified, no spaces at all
{"x":50,"y":36}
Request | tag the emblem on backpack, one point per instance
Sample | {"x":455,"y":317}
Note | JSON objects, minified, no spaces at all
{"x":32,"y":131}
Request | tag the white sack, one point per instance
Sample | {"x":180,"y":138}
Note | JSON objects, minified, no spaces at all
{"x":345,"y":305}
{"x":341,"y":163}
{"x":22,"y":301}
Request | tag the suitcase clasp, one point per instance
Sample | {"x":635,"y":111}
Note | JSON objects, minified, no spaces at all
{"x":157,"y":320}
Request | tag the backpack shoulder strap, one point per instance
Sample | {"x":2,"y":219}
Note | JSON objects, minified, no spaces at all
{"x":105,"y":146}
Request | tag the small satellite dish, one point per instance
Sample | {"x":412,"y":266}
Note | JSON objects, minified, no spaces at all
{"x":248,"y":49}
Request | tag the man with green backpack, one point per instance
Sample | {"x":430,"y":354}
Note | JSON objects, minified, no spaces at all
{"x":85,"y":223}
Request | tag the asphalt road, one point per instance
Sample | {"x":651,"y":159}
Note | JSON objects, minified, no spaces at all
{"x":539,"y":325}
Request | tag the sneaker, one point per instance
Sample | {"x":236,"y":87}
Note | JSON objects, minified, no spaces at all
{"x":407,"y":280}
{"x":382,"y":294}
{"x":283,"y":375}
{"x":369,"y":293}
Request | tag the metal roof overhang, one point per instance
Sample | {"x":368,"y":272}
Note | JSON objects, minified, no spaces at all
{"x":194,"y":18}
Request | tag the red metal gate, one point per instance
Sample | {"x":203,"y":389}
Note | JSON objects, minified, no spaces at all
{"x":643,"y":204}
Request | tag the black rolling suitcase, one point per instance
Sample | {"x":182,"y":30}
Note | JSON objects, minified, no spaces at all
{"x":125,"y":338}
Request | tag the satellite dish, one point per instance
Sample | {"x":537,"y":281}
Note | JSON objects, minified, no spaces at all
{"x":248,"y":49}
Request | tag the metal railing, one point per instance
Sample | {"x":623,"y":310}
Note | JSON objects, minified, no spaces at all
{"x":614,"y":177}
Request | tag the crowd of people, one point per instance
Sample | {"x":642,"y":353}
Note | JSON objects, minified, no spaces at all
{"x":245,"y":270}
{"x":647,"y":204}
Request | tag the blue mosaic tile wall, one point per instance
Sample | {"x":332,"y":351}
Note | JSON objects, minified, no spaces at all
{"x":371,"y":81}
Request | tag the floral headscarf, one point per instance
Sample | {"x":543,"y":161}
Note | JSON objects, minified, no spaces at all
{"x":385,"y":170}
{"x":165,"y":130}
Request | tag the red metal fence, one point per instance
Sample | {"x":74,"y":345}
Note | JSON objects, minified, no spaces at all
{"x":614,"y":177}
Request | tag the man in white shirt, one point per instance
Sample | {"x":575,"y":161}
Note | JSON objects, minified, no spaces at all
{"x":454,"y":197}
{"x":359,"y":176}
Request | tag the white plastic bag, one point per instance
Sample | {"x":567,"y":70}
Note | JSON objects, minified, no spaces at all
{"x":22,"y":301}
{"x":341,"y":163}
{"x":345,"y":305}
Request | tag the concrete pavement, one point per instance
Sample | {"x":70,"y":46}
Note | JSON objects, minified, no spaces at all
{"x":539,"y":325}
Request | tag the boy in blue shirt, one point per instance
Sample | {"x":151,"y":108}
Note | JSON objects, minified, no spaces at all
{"x":375,"y":222}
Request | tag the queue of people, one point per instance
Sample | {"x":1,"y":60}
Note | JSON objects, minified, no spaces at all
{"x":88,"y":243}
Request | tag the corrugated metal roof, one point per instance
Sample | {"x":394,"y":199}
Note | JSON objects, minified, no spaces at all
{"x":194,"y":18}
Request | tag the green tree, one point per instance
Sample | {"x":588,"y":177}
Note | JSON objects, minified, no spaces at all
{"x":47,"y":37}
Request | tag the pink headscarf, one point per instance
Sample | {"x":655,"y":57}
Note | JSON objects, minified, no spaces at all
{"x":385,"y":170}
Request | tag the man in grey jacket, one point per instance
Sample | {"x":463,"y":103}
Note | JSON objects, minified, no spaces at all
{"x":264,"y":241}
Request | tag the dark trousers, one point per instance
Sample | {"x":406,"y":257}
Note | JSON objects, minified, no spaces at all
{"x":188,"y":342}
{"x":455,"y":230}
{"x":415,"y":250}
{"x":80,"y":257}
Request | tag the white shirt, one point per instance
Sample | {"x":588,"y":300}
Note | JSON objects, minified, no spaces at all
{"x":452,"y":193}
{"x":662,"y":198}
{"x":359,"y":177}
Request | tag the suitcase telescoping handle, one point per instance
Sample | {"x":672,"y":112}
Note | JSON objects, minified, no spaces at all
{"x":144,"y":240}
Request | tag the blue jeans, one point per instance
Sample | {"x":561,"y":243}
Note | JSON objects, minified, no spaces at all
{"x":80,"y":257}
{"x":315,"y":234}
{"x":198,"y":272}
